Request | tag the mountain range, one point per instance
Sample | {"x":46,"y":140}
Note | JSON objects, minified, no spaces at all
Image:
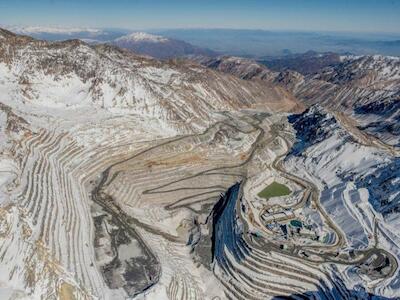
{"x":256,"y":44}
{"x":139,"y":42}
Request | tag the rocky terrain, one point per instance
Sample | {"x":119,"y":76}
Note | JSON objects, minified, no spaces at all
{"x":358,"y":184}
{"x":365,"y":88}
{"x":306,"y":63}
{"x":125,"y":177}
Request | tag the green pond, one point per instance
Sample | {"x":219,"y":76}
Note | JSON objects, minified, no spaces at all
{"x":275,"y":189}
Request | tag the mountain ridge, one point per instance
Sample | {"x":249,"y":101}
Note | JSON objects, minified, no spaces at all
{"x":138,"y":80}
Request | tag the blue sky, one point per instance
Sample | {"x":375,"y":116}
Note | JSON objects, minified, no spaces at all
{"x":313,"y":15}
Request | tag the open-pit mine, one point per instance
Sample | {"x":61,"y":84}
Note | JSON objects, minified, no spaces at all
{"x":124,"y":177}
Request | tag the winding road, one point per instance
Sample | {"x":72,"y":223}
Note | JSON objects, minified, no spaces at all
{"x":311,"y":192}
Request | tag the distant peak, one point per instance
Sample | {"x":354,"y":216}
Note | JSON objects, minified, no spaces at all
{"x":52,"y":30}
{"x":142,"y":37}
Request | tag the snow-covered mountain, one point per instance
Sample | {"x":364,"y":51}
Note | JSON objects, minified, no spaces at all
{"x":141,"y":37}
{"x":359,"y":86}
{"x":241,"y":67}
{"x":365,"y":87}
{"x":158,"y":46}
{"x":107,"y":77}
{"x":138,"y":42}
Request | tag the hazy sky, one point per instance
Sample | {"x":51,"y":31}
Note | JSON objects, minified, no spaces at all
{"x":321,"y":15}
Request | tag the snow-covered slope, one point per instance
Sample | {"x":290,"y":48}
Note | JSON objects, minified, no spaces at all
{"x":373,"y":72}
{"x":367,"y":88}
{"x":72,"y":74}
{"x":79,"y":123}
{"x":241,"y":67}
{"x":359,"y":186}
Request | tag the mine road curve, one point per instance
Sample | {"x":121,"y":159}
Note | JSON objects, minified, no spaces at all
{"x":327,"y":257}
{"x":364,"y":255}
{"x":311,"y":192}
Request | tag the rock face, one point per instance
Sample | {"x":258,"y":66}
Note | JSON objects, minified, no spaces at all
{"x":312,"y":127}
{"x":238,"y":66}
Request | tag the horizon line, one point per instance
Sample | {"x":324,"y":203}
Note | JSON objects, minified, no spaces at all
{"x":9,"y":26}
